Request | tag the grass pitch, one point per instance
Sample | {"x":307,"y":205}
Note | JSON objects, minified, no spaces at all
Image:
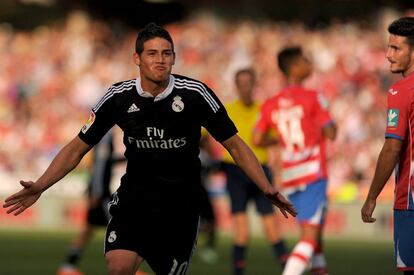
{"x":41,"y":253}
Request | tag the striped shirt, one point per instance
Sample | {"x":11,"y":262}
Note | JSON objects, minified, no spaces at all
{"x":298,"y":117}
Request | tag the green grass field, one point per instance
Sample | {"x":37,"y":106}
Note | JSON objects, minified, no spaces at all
{"x":40,"y":253}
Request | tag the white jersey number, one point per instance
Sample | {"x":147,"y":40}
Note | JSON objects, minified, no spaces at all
{"x":181,"y":269}
{"x":288,"y":122}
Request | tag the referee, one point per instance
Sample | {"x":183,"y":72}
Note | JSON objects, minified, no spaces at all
{"x":155,"y":211}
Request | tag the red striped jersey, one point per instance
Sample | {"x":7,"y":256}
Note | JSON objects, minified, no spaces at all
{"x":298,"y":116}
{"x":400,"y":122}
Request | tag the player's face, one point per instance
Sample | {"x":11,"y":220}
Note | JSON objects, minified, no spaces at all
{"x":245,"y":85}
{"x":304,"y":67}
{"x":400,"y":55}
{"x":156,"y":60}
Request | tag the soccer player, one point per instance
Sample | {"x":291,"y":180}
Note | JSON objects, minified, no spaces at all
{"x":396,"y":152}
{"x":244,"y":112}
{"x":155,"y":211}
{"x":302,"y":122}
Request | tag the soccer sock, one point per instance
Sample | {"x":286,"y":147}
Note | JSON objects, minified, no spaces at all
{"x":73,"y":256}
{"x":281,"y":252}
{"x":299,"y":258}
{"x":239,"y":262}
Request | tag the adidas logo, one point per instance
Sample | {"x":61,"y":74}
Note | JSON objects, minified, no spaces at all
{"x":133,"y":108}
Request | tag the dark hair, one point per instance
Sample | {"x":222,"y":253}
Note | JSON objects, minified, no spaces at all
{"x":287,"y":56}
{"x":403,"y":26}
{"x":151,"y":31}
{"x":249,"y":71}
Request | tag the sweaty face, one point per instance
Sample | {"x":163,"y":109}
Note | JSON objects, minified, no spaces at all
{"x":399,"y":54}
{"x":156,"y":60}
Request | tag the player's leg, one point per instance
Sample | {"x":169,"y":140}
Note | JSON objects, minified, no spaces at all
{"x":311,"y":206}
{"x":168,"y":247}
{"x":404,"y":241}
{"x":237,"y":186}
{"x":122,"y":262}
{"x":275,"y":239}
{"x":74,"y":254}
{"x":96,"y":217}
{"x":122,"y":242}
{"x":240,"y":229}
{"x":272,"y":232}
{"x":121,"y":254}
{"x":240,"y":240}
{"x":318,"y":262}
{"x":208,"y":227}
{"x":303,"y":251}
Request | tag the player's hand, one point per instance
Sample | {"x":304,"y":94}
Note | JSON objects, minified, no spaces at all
{"x":367,"y":210}
{"x":20,"y":201}
{"x":282,"y":203}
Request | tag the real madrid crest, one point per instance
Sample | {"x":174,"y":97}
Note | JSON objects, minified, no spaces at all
{"x":177,"y":104}
{"x":112,"y":236}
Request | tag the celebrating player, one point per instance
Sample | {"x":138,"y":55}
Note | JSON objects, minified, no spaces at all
{"x":396,"y":152}
{"x":302,"y":122}
{"x":155,"y":211}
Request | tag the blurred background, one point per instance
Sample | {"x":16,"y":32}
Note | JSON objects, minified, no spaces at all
{"x":57,"y":58}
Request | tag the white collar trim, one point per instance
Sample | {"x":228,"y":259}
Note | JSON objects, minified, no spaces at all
{"x":161,"y":95}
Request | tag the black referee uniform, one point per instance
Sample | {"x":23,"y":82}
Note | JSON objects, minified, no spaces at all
{"x":155,"y":211}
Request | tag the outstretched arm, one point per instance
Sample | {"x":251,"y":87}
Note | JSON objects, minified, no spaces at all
{"x":64,"y":162}
{"x":247,"y":161}
{"x":387,"y":160}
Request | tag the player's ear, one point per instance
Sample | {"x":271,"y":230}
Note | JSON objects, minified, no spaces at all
{"x":137,"y":59}
{"x":173,"y":58}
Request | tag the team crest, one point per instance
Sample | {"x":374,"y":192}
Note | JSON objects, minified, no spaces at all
{"x":112,"y":237}
{"x":88,"y":123}
{"x":177,"y":104}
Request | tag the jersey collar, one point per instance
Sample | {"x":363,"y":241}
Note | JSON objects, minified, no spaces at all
{"x":160,"y":96}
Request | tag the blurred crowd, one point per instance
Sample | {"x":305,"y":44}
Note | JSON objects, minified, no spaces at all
{"x":51,"y":76}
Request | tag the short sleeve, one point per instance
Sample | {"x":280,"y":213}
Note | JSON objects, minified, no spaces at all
{"x":214,"y":116}
{"x":322,"y":110}
{"x":397,"y":115}
{"x":101,"y":120}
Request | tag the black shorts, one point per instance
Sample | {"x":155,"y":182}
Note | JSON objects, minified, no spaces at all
{"x":99,"y":215}
{"x":242,"y":190}
{"x":165,"y":240}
